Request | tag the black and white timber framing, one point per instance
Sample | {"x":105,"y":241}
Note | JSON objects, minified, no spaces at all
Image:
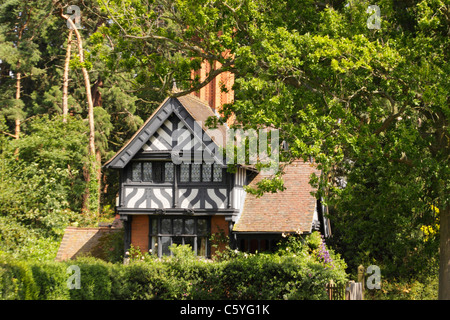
{"x":161,"y":176}
{"x":171,"y":133}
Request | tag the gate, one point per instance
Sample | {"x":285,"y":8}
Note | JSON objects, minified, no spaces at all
{"x":349,"y":291}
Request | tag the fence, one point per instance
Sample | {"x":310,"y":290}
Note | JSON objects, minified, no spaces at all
{"x":349,"y":291}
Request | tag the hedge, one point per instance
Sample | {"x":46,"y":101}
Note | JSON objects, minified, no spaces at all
{"x":298,"y":274}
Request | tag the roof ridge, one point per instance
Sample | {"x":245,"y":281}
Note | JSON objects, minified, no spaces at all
{"x":191,"y":95}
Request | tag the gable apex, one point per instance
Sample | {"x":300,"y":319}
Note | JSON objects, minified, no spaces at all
{"x":188,"y":109}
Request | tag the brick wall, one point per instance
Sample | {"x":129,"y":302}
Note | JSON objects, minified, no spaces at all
{"x":218,"y":225}
{"x":212,"y":92}
{"x":82,"y":241}
{"x":139,"y":232}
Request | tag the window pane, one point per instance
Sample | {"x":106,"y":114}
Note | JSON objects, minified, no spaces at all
{"x":195,"y":172}
{"x":189,"y":226}
{"x":217,"y":176}
{"x":136,"y":171}
{"x":168,"y":172}
{"x":177,"y":226}
{"x":189,"y":241}
{"x":202,"y":227}
{"x":184,"y":172}
{"x":147,"y":171}
{"x":154,"y":246}
{"x":157,"y":172}
{"x":177,"y":240}
{"x":166,"y":226}
{"x":206,"y":174}
{"x":165,"y":244}
{"x":201,"y":246}
{"x":154,"y":226}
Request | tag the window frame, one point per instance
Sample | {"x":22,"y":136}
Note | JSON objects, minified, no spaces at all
{"x":176,"y":173}
{"x":158,"y":235}
{"x":201,"y":180}
{"x":162,"y":164}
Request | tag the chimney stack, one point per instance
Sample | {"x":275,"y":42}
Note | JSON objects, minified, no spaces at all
{"x":212,"y":93}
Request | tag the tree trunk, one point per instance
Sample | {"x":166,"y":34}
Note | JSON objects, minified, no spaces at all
{"x":65,"y":108}
{"x":90,"y":172}
{"x":99,"y":177}
{"x":19,"y":79}
{"x":17,"y":121}
{"x":87,"y":84}
{"x":444,"y":251}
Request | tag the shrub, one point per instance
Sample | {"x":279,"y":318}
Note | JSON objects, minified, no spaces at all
{"x":18,"y":283}
{"x":426,"y":289}
{"x":51,"y":280}
{"x":8,"y":284}
{"x":95,"y":275}
{"x":296,"y":271}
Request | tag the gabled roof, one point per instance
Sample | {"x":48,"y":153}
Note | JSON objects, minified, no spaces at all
{"x":188,"y":109}
{"x":291,"y":210}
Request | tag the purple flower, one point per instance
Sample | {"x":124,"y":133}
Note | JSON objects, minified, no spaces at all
{"x":324,"y":256}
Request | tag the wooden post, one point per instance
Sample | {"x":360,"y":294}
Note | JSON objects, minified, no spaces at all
{"x":361,"y":275}
{"x":330,"y":289}
{"x":361,"y":279}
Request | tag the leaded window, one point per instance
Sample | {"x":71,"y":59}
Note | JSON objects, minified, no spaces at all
{"x":207,"y":172}
{"x":195,"y":172}
{"x":156,"y":171}
{"x":192,"y":231}
{"x":217,"y":173}
{"x":184,"y":172}
{"x":136,"y":171}
{"x":147,"y":171}
{"x":169,"y":172}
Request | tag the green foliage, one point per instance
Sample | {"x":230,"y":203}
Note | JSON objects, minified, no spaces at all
{"x":41,"y":179}
{"x":111,"y":246}
{"x":51,"y":279}
{"x":288,"y":274}
{"x":395,"y":289}
{"x":370,"y":106}
{"x":18,"y":282}
{"x":95,"y":280}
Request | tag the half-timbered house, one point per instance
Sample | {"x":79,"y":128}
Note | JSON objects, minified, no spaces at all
{"x":175,"y":187}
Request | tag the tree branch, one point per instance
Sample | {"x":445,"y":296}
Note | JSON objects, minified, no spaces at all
{"x":8,"y":134}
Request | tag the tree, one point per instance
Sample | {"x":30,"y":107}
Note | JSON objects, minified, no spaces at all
{"x":343,"y":92}
{"x":65,"y":108}
{"x":52,"y":82}
{"x":19,"y":54}
{"x":91,"y":172}
{"x":41,"y":187}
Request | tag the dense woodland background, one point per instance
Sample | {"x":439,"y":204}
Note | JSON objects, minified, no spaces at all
{"x":370,"y":105}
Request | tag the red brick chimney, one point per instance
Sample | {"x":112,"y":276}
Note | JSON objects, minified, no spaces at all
{"x":212,"y":93}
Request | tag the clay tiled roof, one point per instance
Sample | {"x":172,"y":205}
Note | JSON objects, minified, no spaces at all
{"x":288,"y":211}
{"x":201,"y":111}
